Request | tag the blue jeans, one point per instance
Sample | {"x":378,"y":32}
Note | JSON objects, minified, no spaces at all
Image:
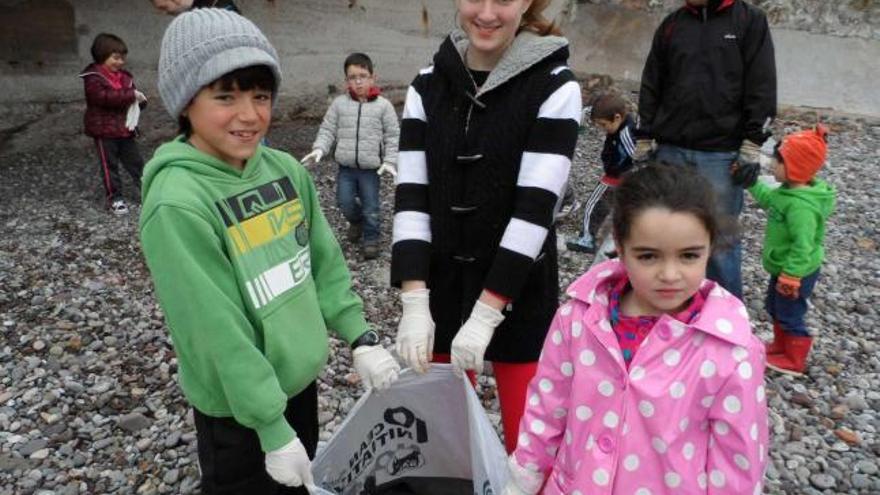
{"x":790,"y":312}
{"x":357,"y":195}
{"x":725,"y":265}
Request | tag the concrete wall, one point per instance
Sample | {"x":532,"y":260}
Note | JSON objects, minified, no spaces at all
{"x":313,"y":36}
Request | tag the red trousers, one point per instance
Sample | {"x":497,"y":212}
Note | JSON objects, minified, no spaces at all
{"x":512,"y":380}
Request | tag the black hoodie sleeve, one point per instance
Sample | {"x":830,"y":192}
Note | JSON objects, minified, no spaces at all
{"x":650,"y":93}
{"x":759,"y":79}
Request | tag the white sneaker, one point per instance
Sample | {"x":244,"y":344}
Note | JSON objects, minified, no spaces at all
{"x":119,"y":207}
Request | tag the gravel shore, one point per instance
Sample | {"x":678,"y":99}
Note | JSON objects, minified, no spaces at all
{"x":88,"y":397}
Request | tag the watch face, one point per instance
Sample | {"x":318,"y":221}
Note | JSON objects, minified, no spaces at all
{"x":369,"y":338}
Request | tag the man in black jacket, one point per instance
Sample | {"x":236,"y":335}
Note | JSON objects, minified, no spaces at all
{"x":707,"y":97}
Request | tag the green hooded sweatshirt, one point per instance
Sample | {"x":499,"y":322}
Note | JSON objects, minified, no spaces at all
{"x":795,"y":236}
{"x":249,"y":276}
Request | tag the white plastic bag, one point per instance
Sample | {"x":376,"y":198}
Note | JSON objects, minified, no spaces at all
{"x":424,"y":428}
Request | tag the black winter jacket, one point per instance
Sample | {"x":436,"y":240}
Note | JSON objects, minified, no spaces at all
{"x":710,"y":78}
{"x":480,"y":171}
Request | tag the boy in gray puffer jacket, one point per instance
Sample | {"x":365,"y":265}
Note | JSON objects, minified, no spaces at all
{"x":364,"y":127}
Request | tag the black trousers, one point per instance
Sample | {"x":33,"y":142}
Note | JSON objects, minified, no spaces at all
{"x":597,"y":209}
{"x":229,"y":453}
{"x":112,"y":152}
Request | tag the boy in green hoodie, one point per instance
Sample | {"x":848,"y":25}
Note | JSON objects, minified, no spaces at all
{"x":246,"y":268}
{"x":794,"y":240}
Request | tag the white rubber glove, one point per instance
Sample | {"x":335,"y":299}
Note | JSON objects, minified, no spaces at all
{"x":313,"y":157}
{"x":469,"y":344}
{"x":386,"y":168}
{"x":290,"y":465}
{"x":749,"y":152}
{"x":376,"y":366}
{"x":140,"y":97}
{"x":523,"y":481}
{"x":415,"y":332}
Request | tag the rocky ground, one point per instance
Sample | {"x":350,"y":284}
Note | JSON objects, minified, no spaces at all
{"x":88,"y":399}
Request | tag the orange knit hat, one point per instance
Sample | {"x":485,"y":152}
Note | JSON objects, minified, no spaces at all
{"x":803,"y":153}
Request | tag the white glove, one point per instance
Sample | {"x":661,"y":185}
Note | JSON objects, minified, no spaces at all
{"x":387,"y":168}
{"x":290,"y":465}
{"x":415,"y":332}
{"x":523,"y":481}
{"x":749,"y":152}
{"x":469,"y":345}
{"x":132,"y":115}
{"x":139,"y":97}
{"x":313,"y":157}
{"x":377,"y":368}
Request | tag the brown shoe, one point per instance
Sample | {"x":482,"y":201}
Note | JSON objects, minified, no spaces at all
{"x":355,"y":230}
{"x":370,"y":251}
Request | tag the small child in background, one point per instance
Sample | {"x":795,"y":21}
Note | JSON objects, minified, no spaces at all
{"x":113,"y":104}
{"x":363,"y":126}
{"x":794,"y":240}
{"x":609,"y":112}
{"x":650,"y":379}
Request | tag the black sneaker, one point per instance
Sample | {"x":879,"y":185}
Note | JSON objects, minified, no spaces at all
{"x":582,"y":245}
{"x":370,"y":250}
{"x":355,"y":230}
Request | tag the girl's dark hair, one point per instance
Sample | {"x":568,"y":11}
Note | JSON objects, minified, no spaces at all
{"x":245,"y":79}
{"x":107,"y":44}
{"x":678,"y":189}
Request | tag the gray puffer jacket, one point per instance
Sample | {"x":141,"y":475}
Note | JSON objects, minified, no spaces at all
{"x":365,"y":133}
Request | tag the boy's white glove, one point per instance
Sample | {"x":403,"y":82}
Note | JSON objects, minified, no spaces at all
{"x":313,"y":157}
{"x":139,"y":97}
{"x":290,"y":465}
{"x":415,"y":332}
{"x":469,"y":345}
{"x":387,"y":168}
{"x":523,"y":481}
{"x":376,"y":366}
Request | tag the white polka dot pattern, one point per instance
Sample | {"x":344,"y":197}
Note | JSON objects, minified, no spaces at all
{"x":688,"y":415}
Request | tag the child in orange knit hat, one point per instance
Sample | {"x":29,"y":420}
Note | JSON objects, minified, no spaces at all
{"x":793,"y":242}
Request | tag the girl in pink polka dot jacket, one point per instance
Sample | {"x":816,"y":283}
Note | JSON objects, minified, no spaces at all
{"x":650,"y":381}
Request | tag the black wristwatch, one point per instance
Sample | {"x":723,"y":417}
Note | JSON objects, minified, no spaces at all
{"x":368,"y":338}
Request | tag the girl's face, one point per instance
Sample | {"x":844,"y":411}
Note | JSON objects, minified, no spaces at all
{"x":229,"y":125}
{"x":665,"y":257}
{"x":491,"y":26}
{"x":115,"y":62}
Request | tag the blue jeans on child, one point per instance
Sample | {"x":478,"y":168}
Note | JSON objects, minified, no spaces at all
{"x":725,"y":265}
{"x":790,"y":312}
{"x":357,"y":195}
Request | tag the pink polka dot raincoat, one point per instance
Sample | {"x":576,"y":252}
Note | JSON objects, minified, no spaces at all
{"x":689,"y":416}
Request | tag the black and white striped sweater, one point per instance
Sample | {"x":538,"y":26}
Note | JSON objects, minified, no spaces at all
{"x":480,"y":173}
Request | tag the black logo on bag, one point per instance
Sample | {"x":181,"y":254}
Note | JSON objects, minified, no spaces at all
{"x":391,"y":446}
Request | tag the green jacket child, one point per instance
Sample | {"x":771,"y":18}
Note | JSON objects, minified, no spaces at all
{"x":245,"y":266}
{"x":794,"y":240}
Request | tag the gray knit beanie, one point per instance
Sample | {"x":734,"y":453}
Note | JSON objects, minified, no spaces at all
{"x":202,"y":45}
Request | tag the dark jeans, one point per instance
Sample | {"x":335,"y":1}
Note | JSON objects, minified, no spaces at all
{"x":790,"y":312}
{"x":725,"y":265}
{"x":110,"y":153}
{"x":357,"y":195}
{"x":230,"y":457}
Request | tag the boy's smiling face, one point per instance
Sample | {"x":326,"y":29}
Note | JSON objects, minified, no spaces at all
{"x":359,"y":80}
{"x":229,"y":124}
